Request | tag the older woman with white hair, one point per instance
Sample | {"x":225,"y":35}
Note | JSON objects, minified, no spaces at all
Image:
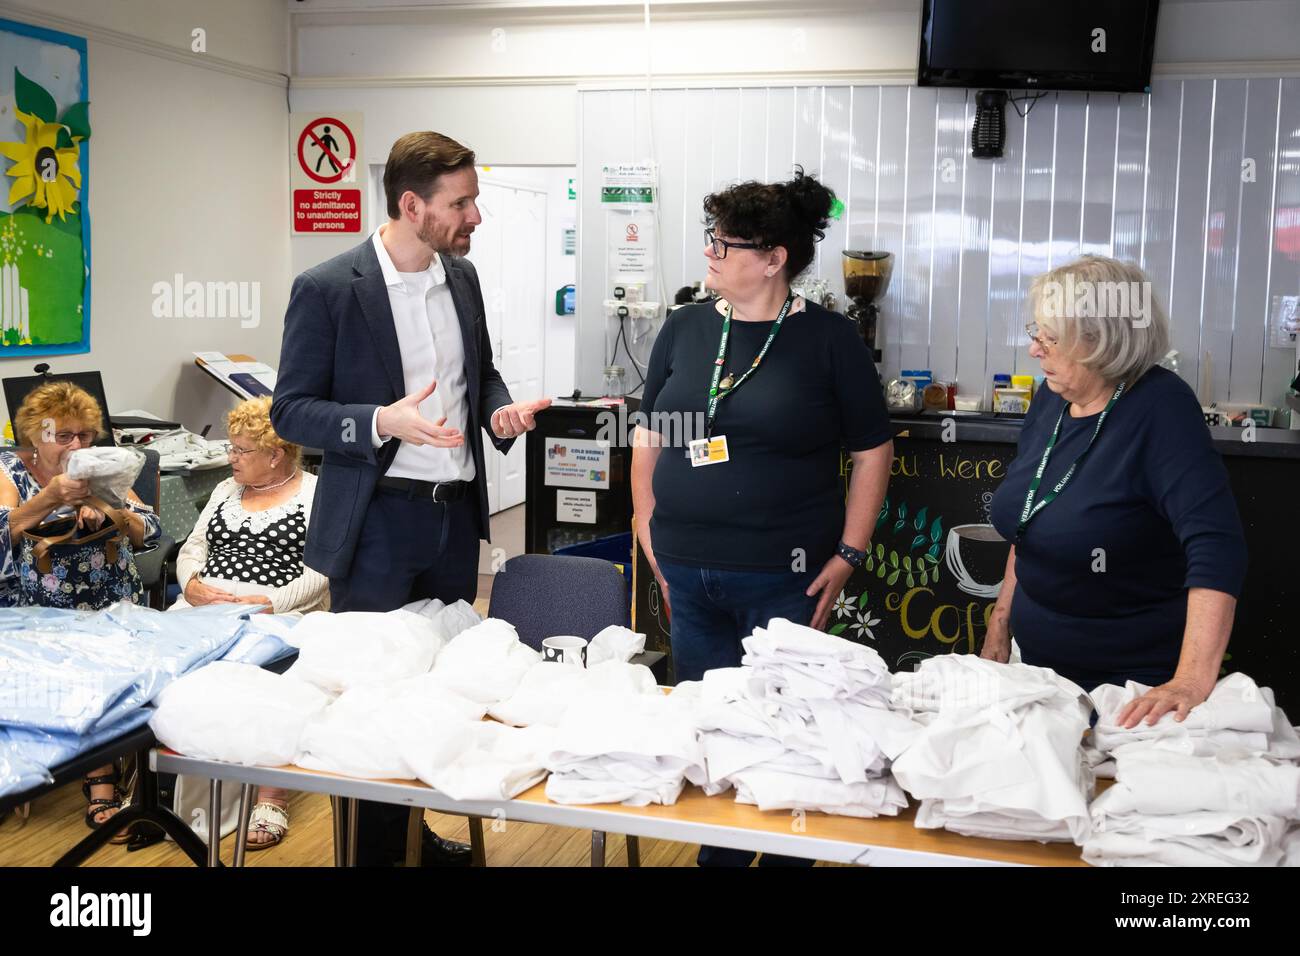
{"x":1128,"y":553}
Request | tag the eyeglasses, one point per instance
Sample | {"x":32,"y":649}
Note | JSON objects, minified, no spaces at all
{"x":65,"y":438}
{"x":237,"y":452}
{"x":720,"y":246}
{"x":1044,"y":343}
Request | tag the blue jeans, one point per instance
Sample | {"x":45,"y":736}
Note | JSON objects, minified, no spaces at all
{"x":712,"y":611}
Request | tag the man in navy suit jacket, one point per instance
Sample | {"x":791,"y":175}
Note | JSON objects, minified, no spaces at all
{"x":387,"y":367}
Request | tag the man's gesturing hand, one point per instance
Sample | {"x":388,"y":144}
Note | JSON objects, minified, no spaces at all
{"x":510,"y":421}
{"x":403,"y":420}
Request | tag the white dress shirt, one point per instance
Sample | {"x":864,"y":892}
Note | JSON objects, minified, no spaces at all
{"x":428,"y":334}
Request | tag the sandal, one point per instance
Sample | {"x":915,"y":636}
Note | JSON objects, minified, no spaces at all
{"x":268,"y":818}
{"x":98,"y":805}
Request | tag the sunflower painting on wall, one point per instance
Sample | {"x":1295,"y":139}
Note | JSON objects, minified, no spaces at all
{"x":44,"y":225}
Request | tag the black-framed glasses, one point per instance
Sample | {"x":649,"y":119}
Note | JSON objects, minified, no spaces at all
{"x":720,"y":246}
{"x":65,"y":438}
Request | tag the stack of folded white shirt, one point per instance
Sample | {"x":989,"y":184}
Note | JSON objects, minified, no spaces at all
{"x":1000,"y":755}
{"x":803,"y":724}
{"x":1238,"y":716}
{"x":1218,"y":788}
{"x":1177,"y":809}
{"x":630,"y":749}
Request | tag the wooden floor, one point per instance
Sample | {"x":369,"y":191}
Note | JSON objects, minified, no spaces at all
{"x":56,"y":825}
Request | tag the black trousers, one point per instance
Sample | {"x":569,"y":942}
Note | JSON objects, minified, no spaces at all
{"x":409,"y":549}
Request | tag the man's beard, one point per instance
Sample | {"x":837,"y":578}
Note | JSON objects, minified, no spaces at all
{"x":428,"y":237}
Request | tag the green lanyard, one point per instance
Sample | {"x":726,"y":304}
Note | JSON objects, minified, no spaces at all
{"x":717,"y":394}
{"x":1030,"y":509}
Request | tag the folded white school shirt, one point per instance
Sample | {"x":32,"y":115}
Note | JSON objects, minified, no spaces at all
{"x":633,"y":750}
{"x":788,"y":660}
{"x":1185,"y":839}
{"x":238,"y":713}
{"x":1152,"y":780}
{"x":971,"y":819}
{"x":367,"y":731}
{"x":485,"y":662}
{"x":1000,"y":753}
{"x":773,"y":790}
{"x":963,"y":682}
{"x":349,"y":649}
{"x":1237,"y":715}
{"x":480,"y":761}
{"x":548,"y":689}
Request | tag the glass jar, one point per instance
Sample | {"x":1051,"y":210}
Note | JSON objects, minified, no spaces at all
{"x":615,"y":384}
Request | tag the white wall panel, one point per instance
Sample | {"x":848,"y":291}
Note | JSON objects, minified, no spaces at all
{"x":1153,"y":179}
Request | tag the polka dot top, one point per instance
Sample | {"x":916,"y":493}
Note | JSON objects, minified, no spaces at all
{"x":261,"y":547}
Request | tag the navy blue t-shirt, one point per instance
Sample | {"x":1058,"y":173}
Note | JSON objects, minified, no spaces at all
{"x":1150,"y":504}
{"x":816,"y":391}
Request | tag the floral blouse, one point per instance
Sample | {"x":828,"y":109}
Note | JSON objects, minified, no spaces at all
{"x":94,"y":556}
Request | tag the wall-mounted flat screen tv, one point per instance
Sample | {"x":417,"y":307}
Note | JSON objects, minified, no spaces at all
{"x":1103,"y":45}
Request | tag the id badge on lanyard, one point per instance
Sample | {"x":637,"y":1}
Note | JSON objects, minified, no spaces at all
{"x":709,"y":451}
{"x":712,"y":449}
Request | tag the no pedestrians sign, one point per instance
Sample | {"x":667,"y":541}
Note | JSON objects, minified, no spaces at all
{"x":328,"y":173}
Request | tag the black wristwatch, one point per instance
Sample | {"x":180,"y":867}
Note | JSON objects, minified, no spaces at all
{"x":852,"y":555}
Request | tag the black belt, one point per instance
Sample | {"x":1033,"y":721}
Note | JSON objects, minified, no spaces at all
{"x":439,"y":491}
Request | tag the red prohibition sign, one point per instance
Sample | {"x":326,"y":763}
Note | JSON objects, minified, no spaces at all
{"x":343,"y":167}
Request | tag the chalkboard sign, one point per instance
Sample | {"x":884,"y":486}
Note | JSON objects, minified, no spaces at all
{"x":935,"y":564}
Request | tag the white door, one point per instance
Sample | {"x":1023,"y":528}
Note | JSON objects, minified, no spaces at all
{"x":485,"y":253}
{"x":509,"y":253}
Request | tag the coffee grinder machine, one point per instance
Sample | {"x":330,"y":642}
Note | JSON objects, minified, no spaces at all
{"x":866,"y":279}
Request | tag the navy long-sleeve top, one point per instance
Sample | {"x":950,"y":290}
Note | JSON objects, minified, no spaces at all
{"x":1102,"y":572}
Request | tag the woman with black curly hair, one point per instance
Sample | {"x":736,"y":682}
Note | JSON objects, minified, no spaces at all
{"x":748,"y":521}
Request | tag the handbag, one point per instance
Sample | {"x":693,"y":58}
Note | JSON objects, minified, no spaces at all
{"x":61,"y":565}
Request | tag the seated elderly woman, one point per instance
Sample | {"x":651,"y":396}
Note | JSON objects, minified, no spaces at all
{"x":247,"y":546}
{"x":1128,"y":552}
{"x":54,"y":420}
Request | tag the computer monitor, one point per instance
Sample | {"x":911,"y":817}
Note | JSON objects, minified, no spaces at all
{"x":17,"y":389}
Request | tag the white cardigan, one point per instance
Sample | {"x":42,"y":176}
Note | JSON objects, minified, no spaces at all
{"x":309,"y":592}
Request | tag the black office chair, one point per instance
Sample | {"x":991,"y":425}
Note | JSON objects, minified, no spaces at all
{"x":547,"y":594}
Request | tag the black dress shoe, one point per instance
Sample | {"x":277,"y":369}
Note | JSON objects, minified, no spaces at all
{"x":437,"y":851}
